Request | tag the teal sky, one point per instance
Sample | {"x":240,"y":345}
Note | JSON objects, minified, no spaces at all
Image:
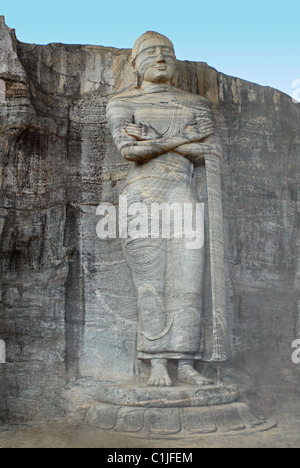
{"x":258,"y":40}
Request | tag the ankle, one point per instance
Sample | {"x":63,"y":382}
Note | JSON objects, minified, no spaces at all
{"x":185,"y":364}
{"x":159,"y":363}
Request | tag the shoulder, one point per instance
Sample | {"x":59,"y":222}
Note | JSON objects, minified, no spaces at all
{"x":122,"y":104}
{"x":191,"y":99}
{"x":196,"y":99}
{"x":124,"y":96}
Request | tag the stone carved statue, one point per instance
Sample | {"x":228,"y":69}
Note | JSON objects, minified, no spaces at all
{"x":167,"y":133}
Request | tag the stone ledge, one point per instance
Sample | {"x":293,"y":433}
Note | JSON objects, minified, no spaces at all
{"x":166,"y":397}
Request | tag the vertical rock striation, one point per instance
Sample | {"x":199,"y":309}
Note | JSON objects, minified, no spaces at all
{"x":68,"y":306}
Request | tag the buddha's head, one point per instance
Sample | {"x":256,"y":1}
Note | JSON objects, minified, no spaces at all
{"x":153,"y":58}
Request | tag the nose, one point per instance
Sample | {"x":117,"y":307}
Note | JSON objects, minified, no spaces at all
{"x":160,"y":55}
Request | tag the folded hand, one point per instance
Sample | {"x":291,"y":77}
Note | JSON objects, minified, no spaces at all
{"x":142,"y":132}
{"x":198,"y":131}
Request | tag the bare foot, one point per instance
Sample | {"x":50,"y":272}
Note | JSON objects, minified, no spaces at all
{"x":159,"y":374}
{"x":187,"y":374}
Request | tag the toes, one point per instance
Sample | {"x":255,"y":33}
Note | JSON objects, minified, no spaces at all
{"x":152,"y":382}
{"x":193,"y":378}
{"x":160,"y":382}
{"x":168,"y":382}
{"x":207,"y":382}
{"x":203,"y":382}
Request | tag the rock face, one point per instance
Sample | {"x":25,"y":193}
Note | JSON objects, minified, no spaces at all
{"x":68,"y":307}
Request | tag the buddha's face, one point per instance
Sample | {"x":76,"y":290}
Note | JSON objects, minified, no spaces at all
{"x":155,"y":61}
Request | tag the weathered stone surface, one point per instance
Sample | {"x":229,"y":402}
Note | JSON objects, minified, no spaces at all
{"x":102,"y":416}
{"x":162,"y":421}
{"x":177,"y":396}
{"x":177,"y":422}
{"x":228,"y":419}
{"x":199,"y":421}
{"x":168,"y":134}
{"x":131,"y":420}
{"x":68,"y":306}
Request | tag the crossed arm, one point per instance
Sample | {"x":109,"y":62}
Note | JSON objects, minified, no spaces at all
{"x":192,"y":143}
{"x":140,"y":143}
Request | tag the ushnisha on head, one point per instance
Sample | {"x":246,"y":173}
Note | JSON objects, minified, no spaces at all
{"x":153,"y":58}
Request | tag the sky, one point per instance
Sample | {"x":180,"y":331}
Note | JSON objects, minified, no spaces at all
{"x":258,"y":41}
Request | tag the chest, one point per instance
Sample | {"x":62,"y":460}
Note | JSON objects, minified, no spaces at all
{"x":167,"y":117}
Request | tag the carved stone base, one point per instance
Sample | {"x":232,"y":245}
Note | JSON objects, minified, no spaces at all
{"x":162,"y":397}
{"x":224,"y":419}
{"x":181,"y":410}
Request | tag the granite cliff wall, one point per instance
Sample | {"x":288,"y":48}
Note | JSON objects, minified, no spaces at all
{"x":68,"y":307}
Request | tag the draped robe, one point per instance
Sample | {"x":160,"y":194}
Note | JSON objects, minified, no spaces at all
{"x":168,"y":276}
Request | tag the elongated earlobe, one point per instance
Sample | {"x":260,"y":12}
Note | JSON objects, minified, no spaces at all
{"x":137,"y":80}
{"x":174,"y":80}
